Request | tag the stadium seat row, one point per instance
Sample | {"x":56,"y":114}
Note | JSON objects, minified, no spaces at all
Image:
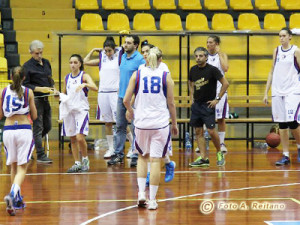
{"x":194,"y":22}
{"x":187,"y":4}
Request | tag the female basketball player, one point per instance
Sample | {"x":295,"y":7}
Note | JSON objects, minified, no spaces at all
{"x":169,"y":165}
{"x":16,"y":102}
{"x":154,"y":104}
{"x":109,"y":73}
{"x":285,"y":81}
{"x":76,"y":123}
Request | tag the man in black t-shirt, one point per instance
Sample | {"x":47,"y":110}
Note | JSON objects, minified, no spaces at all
{"x":203,"y":85}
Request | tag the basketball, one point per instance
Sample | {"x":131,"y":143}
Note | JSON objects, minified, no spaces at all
{"x":273,"y":140}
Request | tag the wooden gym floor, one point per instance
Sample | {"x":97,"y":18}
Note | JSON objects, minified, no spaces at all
{"x":249,"y":189}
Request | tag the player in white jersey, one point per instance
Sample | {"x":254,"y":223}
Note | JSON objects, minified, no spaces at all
{"x":169,"y":165}
{"x":76,"y":122}
{"x":16,"y":103}
{"x":285,"y":81}
{"x":153,"y":106}
{"x":109,"y":73}
{"x":219,"y":59}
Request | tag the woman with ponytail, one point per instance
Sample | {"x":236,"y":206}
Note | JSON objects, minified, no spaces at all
{"x":153,"y":107}
{"x":16,"y":102}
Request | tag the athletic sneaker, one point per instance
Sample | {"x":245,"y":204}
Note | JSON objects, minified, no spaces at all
{"x":200,"y":162}
{"x":133,"y":162}
{"x":197,"y":150}
{"x":44,"y":159}
{"x":223,"y":148}
{"x":85,"y":165}
{"x":298,"y":158}
{"x":75,"y":169}
{"x":108,"y":153}
{"x":220,"y":159}
{"x":148,"y":179}
{"x":19,"y":204}
{"x":115,"y":159}
{"x":170,"y":167}
{"x":141,"y":199}
{"x":9,"y":205}
{"x":284,"y":161}
{"x":152,"y":204}
{"x":130,"y":153}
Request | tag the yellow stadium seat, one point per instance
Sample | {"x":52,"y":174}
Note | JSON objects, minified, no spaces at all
{"x":222,"y":21}
{"x":259,"y":69}
{"x":86,"y":4}
{"x":290,"y":4}
{"x":138,"y":4}
{"x":237,"y":69}
{"x":3,"y":64}
{"x":248,"y":21}
{"x":295,"y":21}
{"x":263,"y":45}
{"x":112,"y":4}
{"x":170,"y":21}
{"x":91,"y":21}
{"x":196,"y":22}
{"x":144,"y":22}
{"x":274,"y":21}
{"x":164,"y":4}
{"x":118,"y":22}
{"x":215,"y":4}
{"x":189,"y":5}
{"x":266,"y":4}
{"x":241,"y":4}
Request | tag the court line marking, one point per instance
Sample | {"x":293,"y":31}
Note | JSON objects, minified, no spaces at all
{"x":188,"y":196}
{"x":176,"y":172}
{"x":282,"y":221}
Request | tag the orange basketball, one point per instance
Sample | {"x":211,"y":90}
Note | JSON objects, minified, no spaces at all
{"x":273,"y":140}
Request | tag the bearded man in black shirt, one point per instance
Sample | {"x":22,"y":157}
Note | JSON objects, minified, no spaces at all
{"x":203,"y":86}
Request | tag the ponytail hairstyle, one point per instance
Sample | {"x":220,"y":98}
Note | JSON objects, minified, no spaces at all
{"x":79,"y":59}
{"x":109,"y":42}
{"x":18,"y":75}
{"x":154,"y":55}
{"x":215,"y":38}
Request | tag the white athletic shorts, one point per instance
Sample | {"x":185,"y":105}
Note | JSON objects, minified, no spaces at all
{"x":76,"y":123}
{"x":286,"y":108}
{"x":222,"y":108}
{"x":156,"y":142}
{"x":18,"y":143}
{"x":107,"y":106}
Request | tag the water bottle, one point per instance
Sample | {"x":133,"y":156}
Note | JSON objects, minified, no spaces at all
{"x":260,"y":145}
{"x":206,"y":137}
{"x":188,"y":144}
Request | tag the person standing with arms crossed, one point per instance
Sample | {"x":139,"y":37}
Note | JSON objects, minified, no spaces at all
{"x":130,"y":62}
{"x":16,"y":102}
{"x":153,"y":107}
{"x":203,"y":84}
{"x":39,"y":79}
{"x":285,"y":81}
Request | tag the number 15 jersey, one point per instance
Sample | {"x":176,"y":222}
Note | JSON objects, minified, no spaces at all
{"x":12,"y":104}
{"x":151,"y":110}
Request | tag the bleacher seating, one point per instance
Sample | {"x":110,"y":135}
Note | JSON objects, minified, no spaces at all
{"x":86,"y":4}
{"x":215,"y":4}
{"x":290,"y":4}
{"x":91,"y":21}
{"x":164,"y":4}
{"x":3,"y":68}
{"x":118,"y":22}
{"x":138,"y":4}
{"x":274,"y":21}
{"x":144,"y":22}
{"x":266,"y":4}
{"x":295,"y":21}
{"x":248,"y":21}
{"x":196,"y":22}
{"x":222,"y":21}
{"x":170,"y":22}
{"x":241,"y":4}
{"x":1,"y":45}
{"x":189,"y":5}
{"x":113,"y":5}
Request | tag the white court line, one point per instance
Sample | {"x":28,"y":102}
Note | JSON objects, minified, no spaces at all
{"x":284,"y":222}
{"x":187,"y":196}
{"x":176,"y":172}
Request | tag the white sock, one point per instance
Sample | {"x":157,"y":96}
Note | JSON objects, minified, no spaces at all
{"x":85,"y":157}
{"x":222,"y":137}
{"x":167,"y":159}
{"x":129,"y":137}
{"x":78,"y":163}
{"x":152,"y":193}
{"x":110,"y":141}
{"x":142,"y":184}
{"x":287,"y":154}
{"x":298,"y":146}
{"x":14,"y":190}
{"x":148,"y":167}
